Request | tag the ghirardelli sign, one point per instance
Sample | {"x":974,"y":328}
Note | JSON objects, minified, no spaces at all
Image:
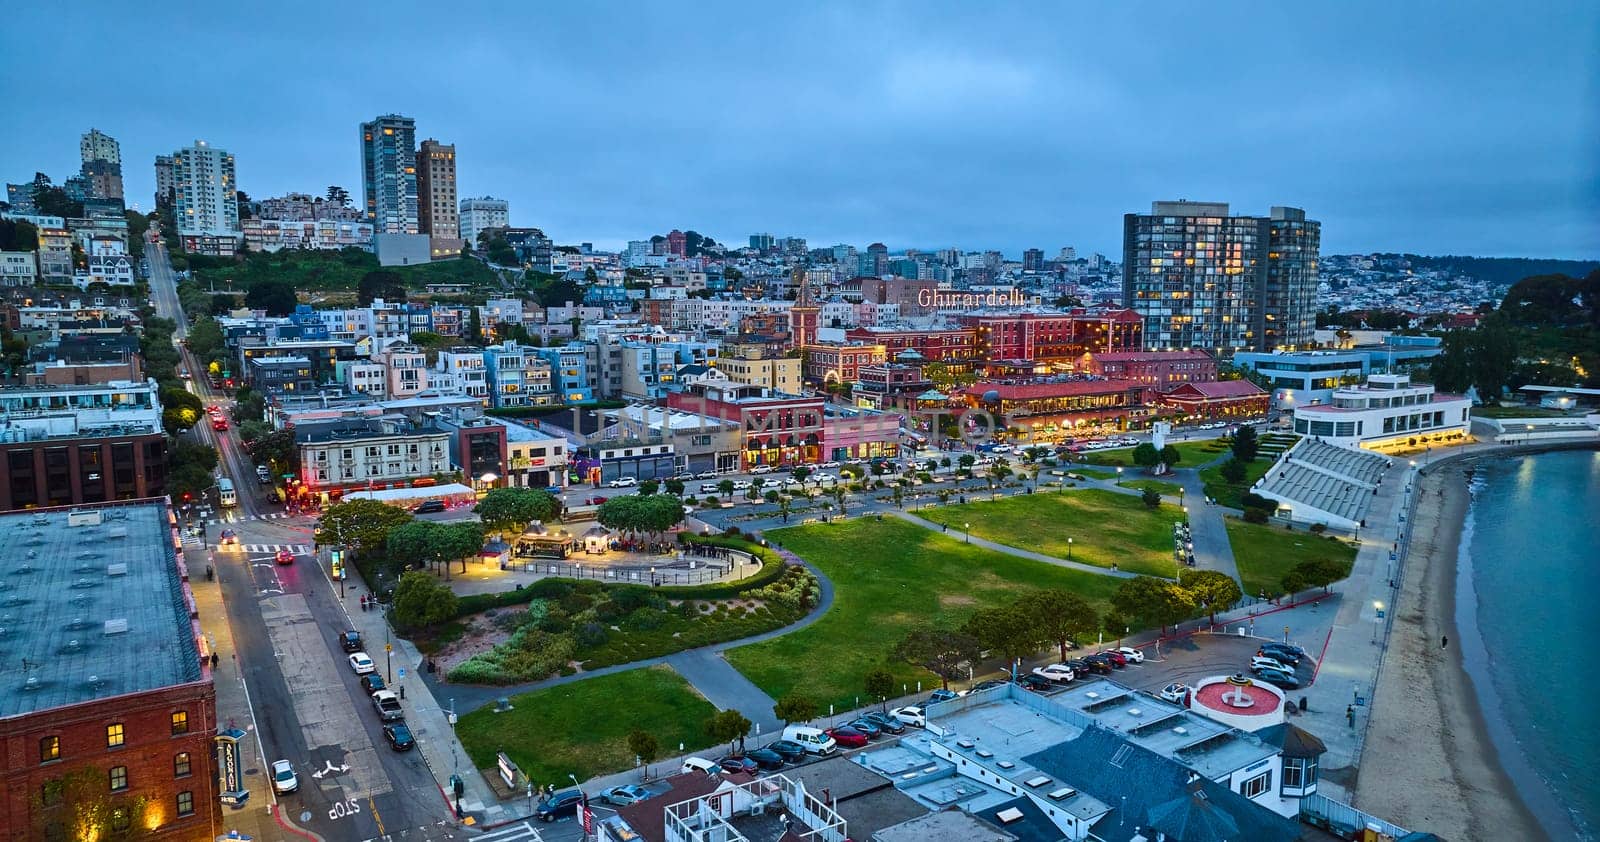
{"x":940,"y":300}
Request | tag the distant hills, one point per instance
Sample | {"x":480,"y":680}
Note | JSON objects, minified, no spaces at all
{"x":1499,"y":271}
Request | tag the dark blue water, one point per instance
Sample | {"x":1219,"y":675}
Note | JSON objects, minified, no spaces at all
{"x":1531,"y":582}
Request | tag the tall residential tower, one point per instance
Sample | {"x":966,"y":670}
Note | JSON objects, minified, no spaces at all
{"x":482,"y":214}
{"x":205,"y":199}
{"x":389,"y":174}
{"x":102,"y":164}
{"x":436,"y":197}
{"x":1205,"y":279}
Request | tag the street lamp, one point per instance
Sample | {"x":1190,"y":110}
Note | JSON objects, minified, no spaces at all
{"x":967,"y":528}
{"x":1069,"y":549}
{"x":1377,"y":619}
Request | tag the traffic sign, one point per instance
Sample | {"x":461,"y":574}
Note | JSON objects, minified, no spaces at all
{"x":388,"y":647}
{"x":402,"y":672}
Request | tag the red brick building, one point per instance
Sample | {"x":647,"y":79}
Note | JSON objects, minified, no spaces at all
{"x":1056,"y":338}
{"x":116,"y":709}
{"x":1161,"y":369}
{"x":836,"y":363}
{"x":935,"y":345}
{"x":1049,"y":412}
{"x":777,"y":429}
{"x":1219,"y":401}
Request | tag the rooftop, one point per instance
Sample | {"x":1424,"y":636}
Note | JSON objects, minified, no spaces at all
{"x":84,"y":587}
{"x":1025,"y":391}
{"x":943,"y":825}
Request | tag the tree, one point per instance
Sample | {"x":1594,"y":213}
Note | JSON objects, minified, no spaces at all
{"x":967,"y":460}
{"x":1115,"y":624}
{"x":728,"y":726}
{"x":795,"y":707}
{"x":1007,"y":631}
{"x":838,"y":497}
{"x":381,"y":283}
{"x":1151,"y":498}
{"x":501,"y":253}
{"x":205,"y":337}
{"x":879,"y":684}
{"x":49,"y":200}
{"x":1151,"y":601}
{"x":338,"y":195}
{"x":1146,"y":456}
{"x":899,"y":495}
{"x":84,"y":808}
{"x":421,"y":601}
{"x":277,"y":297}
{"x":276,"y":450}
{"x":1171,"y":456}
{"x":411,"y":544}
{"x":644,"y":746}
{"x":1314,"y":573}
{"x":1210,"y":588}
{"x":947,"y":654}
{"x":1245,"y":443}
{"x":560,"y":293}
{"x":362,"y":525}
{"x":652,"y":513}
{"x":1061,"y":616}
{"x":474,"y":331}
{"x":190,"y":467}
{"x":512,"y":509}
{"x":800,"y":473}
{"x":675,"y":487}
{"x":1233,"y":471}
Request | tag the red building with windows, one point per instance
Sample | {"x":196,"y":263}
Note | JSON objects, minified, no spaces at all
{"x":116,"y":707}
{"x":831,"y":362}
{"x":1219,"y":401}
{"x":935,"y":345}
{"x":1053,"y":337}
{"x":777,"y":429}
{"x":1160,"y":369}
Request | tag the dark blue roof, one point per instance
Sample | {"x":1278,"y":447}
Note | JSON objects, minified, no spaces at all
{"x":1034,"y":826}
{"x":1145,"y":788}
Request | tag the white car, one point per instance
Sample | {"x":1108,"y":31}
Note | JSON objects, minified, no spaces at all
{"x":1058,"y":673}
{"x":1134,"y":656}
{"x":623,"y":482}
{"x":911,"y":715}
{"x":741,"y":485}
{"x":824,"y":479}
{"x":709,"y":488}
{"x":761,"y":469}
{"x":283,"y":777}
{"x":361,"y":663}
{"x":791,"y":482}
{"x":1175,"y":692}
{"x":1259,"y":662}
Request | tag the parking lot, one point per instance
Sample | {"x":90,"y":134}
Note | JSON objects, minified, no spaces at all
{"x":1192,"y":658}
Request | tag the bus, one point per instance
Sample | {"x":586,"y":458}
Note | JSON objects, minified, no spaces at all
{"x":225,"y":496}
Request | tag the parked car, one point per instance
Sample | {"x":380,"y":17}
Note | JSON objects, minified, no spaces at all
{"x":1175,"y":692}
{"x":623,"y":482}
{"x":1080,"y":666}
{"x":761,"y":469}
{"x":1055,"y":673}
{"x":1037,"y":683}
{"x":351,"y":641}
{"x":1279,"y":652}
{"x":692,"y":765}
{"x":1099,"y":665}
{"x":766,"y":758}
{"x":372,"y":682}
{"x":742,"y":485}
{"x":621,"y":796}
{"x":706,"y":475}
{"x":388,"y":705}
{"x":709,"y":488}
{"x":429,"y":507}
{"x":1118,"y":659}
{"x":361,"y":664}
{"x":1260,"y":662}
{"x":813,"y":740}
{"x":911,"y":715}
{"x":1134,"y":656}
{"x":736,"y":763}
{"x":283,"y":777}
{"x":399,"y":737}
{"x":886,"y":722}
{"x":791,"y":751}
{"x":284,"y":557}
{"x":563,"y":803}
{"x":866,"y":726}
{"x":848,"y":737}
{"x":1278,"y":678}
{"x":942,"y":695}
{"x":595,"y":500}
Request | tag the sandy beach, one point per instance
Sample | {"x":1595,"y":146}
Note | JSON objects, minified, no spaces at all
{"x":1428,"y":761}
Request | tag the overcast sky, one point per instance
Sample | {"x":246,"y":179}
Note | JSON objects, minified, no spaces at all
{"x":1444,"y":127}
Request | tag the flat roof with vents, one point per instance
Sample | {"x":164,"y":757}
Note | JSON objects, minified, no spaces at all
{"x":76,"y":598}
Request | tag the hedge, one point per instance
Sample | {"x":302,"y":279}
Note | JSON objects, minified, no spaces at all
{"x":555,"y":587}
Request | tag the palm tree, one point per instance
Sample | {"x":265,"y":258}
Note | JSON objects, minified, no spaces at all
{"x":838,"y":497}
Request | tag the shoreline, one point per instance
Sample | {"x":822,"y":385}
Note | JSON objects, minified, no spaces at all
{"x":1430,"y":762}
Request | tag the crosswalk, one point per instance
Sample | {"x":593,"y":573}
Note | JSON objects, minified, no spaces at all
{"x":519,"y":832}
{"x":234,"y":517}
{"x":256,"y":549}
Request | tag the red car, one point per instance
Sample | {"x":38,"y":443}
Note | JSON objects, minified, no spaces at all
{"x":285,"y":557}
{"x":219,"y":423}
{"x":848,"y":737}
{"x":1117,"y":658}
{"x":594,"y":501}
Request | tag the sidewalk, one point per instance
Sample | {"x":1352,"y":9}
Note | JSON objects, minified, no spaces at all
{"x":427,"y":716}
{"x":257,"y":817}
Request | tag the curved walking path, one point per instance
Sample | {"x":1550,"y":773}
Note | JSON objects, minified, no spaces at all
{"x":1009,"y":550}
{"x":704,"y":668}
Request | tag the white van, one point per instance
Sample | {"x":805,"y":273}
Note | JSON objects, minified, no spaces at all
{"x":814,"y":740}
{"x":701,"y":765}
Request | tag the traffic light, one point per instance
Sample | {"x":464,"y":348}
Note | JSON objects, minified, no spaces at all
{"x":187,"y":496}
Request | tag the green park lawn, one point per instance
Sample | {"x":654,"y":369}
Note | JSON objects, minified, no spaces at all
{"x":1264,"y":553}
{"x":1229,"y":495}
{"x":1195,"y":453}
{"x":1171,"y":489}
{"x":1106,"y":527}
{"x":890,"y":576}
{"x":1519,"y":412}
{"x":1092,"y":473}
{"x":582,"y":728}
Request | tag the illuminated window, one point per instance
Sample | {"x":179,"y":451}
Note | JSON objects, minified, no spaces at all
{"x":114,"y":735}
{"x":186,"y":803}
{"x":180,"y":722}
{"x":49,"y":749}
{"x":117,"y":778}
{"x":121,"y":819}
{"x":181,"y":766}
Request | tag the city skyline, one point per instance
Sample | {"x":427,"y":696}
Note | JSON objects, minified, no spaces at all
{"x":1408,"y":134}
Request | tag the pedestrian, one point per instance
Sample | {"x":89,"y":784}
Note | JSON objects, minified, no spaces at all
{"x":1350,"y":714}
{"x":213,"y":660}
{"x":1444,"y":642}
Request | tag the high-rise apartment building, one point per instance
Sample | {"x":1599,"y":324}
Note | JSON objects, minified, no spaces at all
{"x":1205,"y":279}
{"x":389,"y":174}
{"x":205,"y":192}
{"x":436,"y":197}
{"x":1033,"y":260}
{"x":102,"y":164}
{"x":761,"y":242}
{"x":482,"y":214}
{"x":166,"y":182}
